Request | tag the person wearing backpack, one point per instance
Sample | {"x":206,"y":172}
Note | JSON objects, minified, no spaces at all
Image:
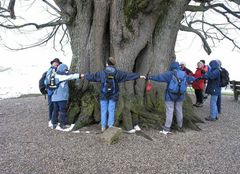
{"x":213,"y":88}
{"x":224,"y":81}
{"x":198,"y":85}
{"x":109,"y":78}
{"x":54,"y":64}
{"x":61,"y":94}
{"x":176,"y":80}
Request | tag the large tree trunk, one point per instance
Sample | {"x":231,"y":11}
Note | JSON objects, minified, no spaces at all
{"x":141,"y":35}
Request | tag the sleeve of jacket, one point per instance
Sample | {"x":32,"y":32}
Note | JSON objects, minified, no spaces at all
{"x":67,"y":77}
{"x":165,"y":77}
{"x":47,"y":79}
{"x":190,"y":79}
{"x":122,"y":76}
{"x":94,"y":77}
{"x":212,"y":74}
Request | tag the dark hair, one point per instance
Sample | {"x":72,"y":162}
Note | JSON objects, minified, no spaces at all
{"x":111,"y":61}
{"x":203,"y":61}
{"x":56,"y":60}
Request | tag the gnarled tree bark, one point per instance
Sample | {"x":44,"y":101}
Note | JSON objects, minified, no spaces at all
{"x":141,"y":35}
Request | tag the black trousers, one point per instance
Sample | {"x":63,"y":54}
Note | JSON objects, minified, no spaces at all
{"x":199,"y":95}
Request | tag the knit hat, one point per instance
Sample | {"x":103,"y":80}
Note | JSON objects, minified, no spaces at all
{"x":111,"y":61}
{"x":183,"y":63}
{"x":56,"y":60}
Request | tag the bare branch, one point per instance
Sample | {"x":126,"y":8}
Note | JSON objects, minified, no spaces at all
{"x":215,"y":26}
{"x":38,"y":26}
{"x":52,"y":6}
{"x":205,"y":44}
{"x":42,"y":42}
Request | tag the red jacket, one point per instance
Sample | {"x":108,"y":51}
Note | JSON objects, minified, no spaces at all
{"x":198,"y":84}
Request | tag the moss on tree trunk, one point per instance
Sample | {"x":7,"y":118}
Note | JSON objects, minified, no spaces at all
{"x":147,"y":111}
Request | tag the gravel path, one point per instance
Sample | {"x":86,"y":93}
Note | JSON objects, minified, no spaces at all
{"x":28,"y":146}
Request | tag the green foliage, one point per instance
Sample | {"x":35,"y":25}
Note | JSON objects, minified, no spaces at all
{"x":73,"y":112}
{"x":131,"y":10}
{"x":149,"y":111}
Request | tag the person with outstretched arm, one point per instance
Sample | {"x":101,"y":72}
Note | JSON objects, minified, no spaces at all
{"x":109,"y":78}
{"x":172,"y":99}
{"x":60,"y":95}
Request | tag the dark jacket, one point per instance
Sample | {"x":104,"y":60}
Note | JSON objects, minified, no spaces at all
{"x":119,"y":77}
{"x":167,"y":76}
{"x":187,"y":71}
{"x":213,"y":77}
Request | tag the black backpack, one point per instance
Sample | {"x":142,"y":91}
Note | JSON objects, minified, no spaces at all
{"x":42,"y":86}
{"x":224,"y":77}
{"x":109,"y":84}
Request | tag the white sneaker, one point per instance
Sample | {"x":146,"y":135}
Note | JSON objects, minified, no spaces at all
{"x":164,"y":132}
{"x":103,"y":129}
{"x":132,"y":131}
{"x":59,"y":128}
{"x":50,"y":124}
{"x":137,"y":128}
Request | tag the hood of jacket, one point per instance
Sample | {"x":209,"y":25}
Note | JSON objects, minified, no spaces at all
{"x":214,"y":64}
{"x":174,"y":66}
{"x":110,"y":69}
{"x":62,"y":69}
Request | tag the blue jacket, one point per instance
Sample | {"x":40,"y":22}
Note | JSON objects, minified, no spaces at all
{"x":49,"y":72}
{"x":166,"y":77}
{"x":213,"y":77}
{"x":61,"y":93}
{"x":119,"y":77}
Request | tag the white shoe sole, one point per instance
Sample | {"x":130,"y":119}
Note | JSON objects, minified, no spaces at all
{"x":164,"y":132}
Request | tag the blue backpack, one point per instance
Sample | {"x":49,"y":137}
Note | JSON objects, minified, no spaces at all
{"x":177,"y":85}
{"x":109,"y":84}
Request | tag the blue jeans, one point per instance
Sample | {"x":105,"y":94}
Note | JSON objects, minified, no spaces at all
{"x":50,"y":107}
{"x":213,"y":106}
{"x":61,"y":108}
{"x":219,"y":103}
{"x":107,"y":106}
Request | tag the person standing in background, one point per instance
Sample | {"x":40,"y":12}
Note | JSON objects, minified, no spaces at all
{"x":185,"y":69}
{"x":219,"y":99}
{"x":206,"y":68}
{"x":213,"y":88}
{"x":198,"y":85}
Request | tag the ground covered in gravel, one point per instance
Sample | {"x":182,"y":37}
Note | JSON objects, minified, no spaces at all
{"x":27,"y":145}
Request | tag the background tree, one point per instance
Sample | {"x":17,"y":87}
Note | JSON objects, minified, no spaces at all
{"x":140,"y":34}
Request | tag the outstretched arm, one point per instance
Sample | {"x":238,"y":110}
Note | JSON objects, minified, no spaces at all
{"x":67,"y":77}
{"x":94,"y":77}
{"x":125,"y":76}
{"x":161,"y":77}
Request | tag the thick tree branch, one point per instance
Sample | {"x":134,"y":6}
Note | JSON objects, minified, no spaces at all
{"x":235,"y":1}
{"x":68,"y":9}
{"x":203,"y":8}
{"x":11,"y":9}
{"x":205,"y":44}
